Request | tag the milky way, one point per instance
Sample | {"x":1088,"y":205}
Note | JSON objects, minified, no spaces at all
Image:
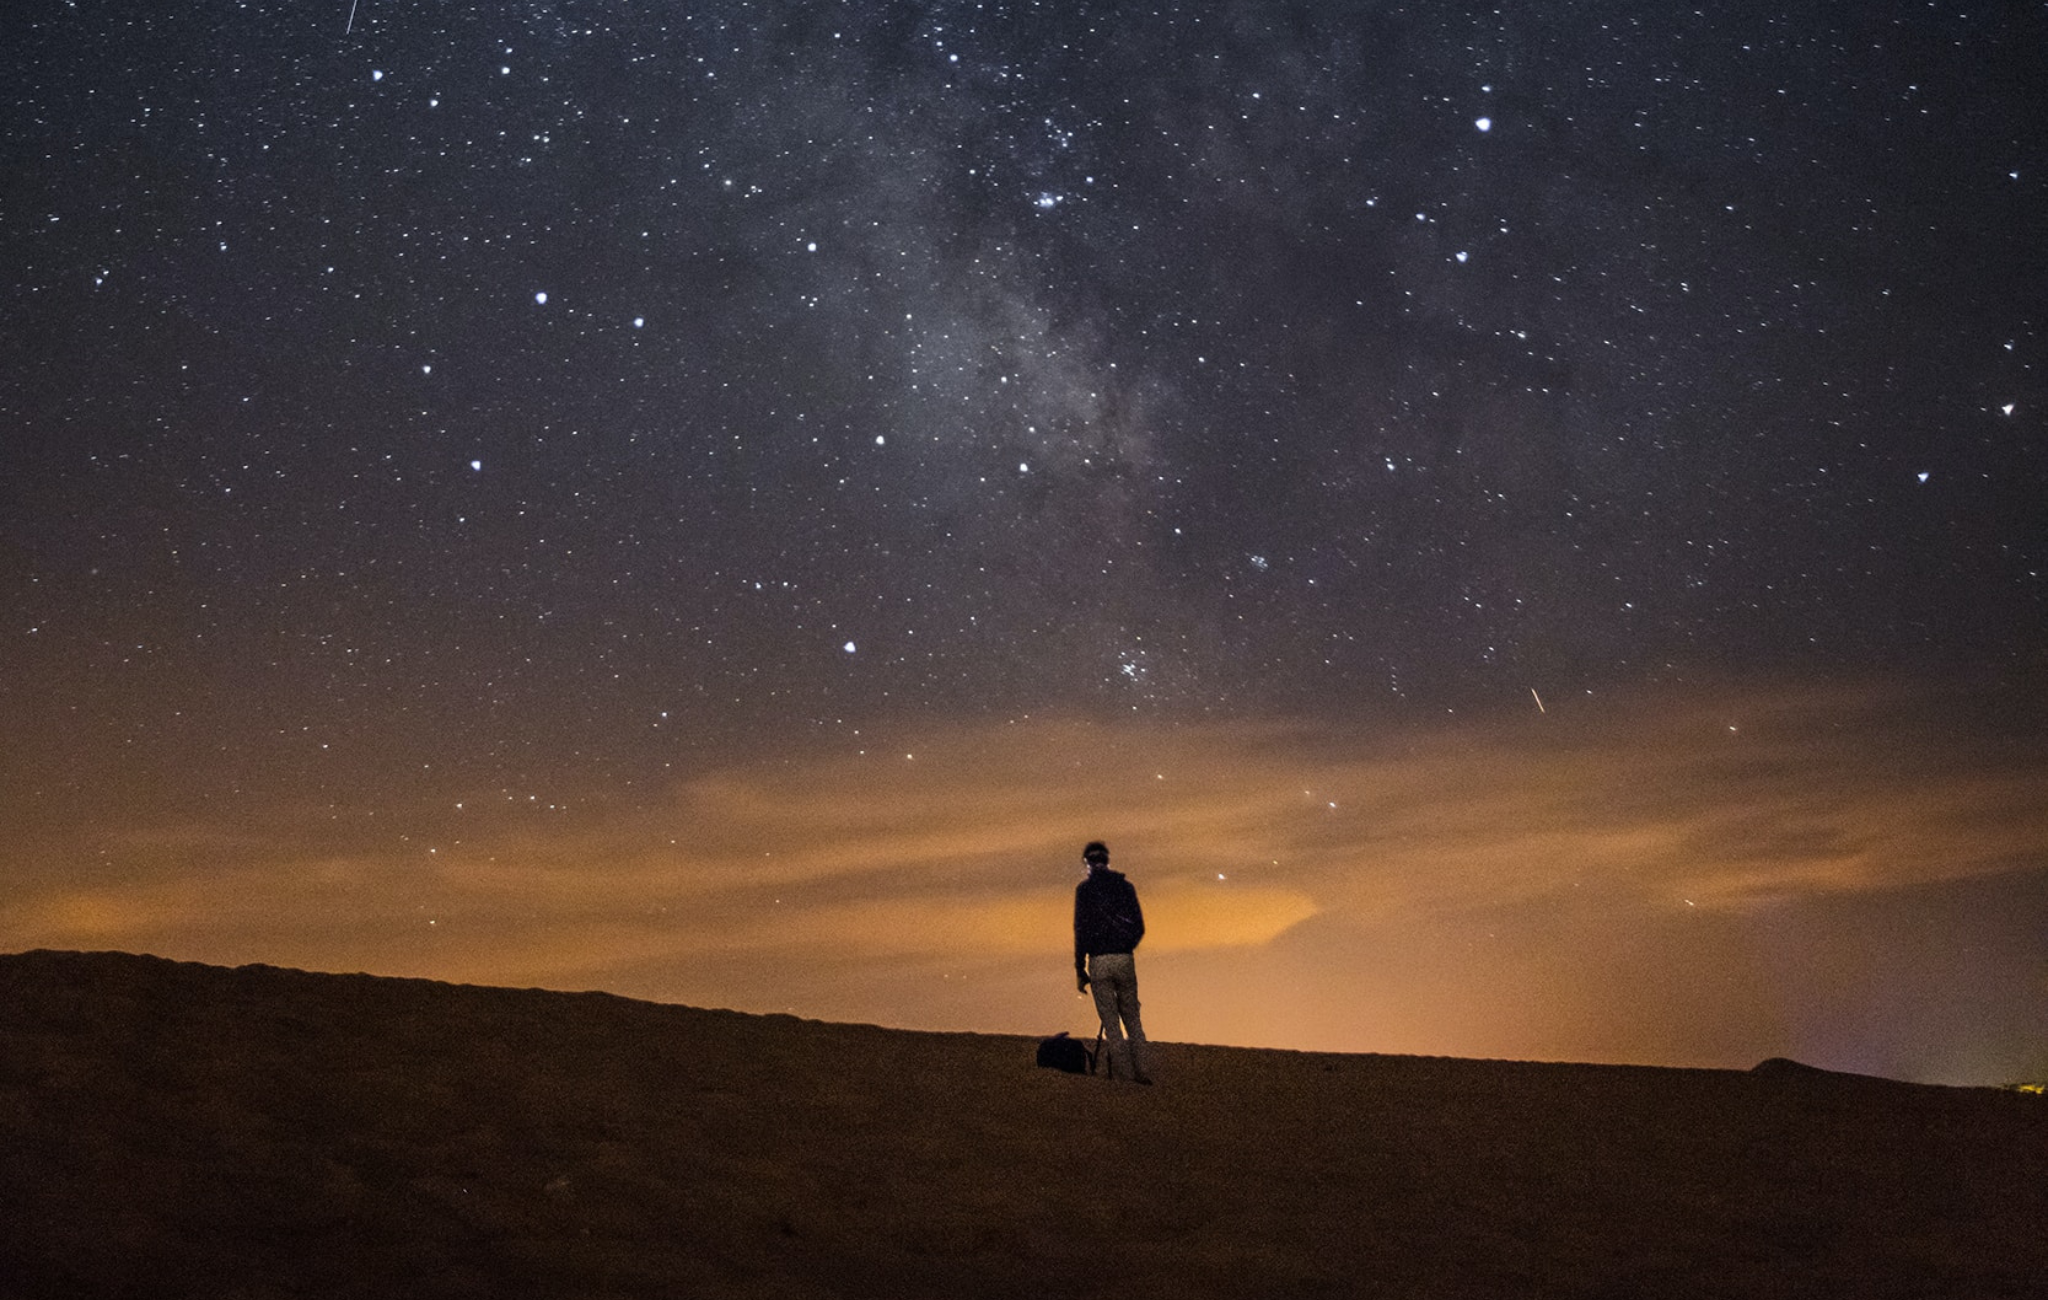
{"x":409,"y":400}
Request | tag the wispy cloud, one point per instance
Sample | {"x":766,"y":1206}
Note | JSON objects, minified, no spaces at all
{"x":960,"y":844}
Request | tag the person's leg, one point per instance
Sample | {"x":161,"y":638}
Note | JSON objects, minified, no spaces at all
{"x":1114,"y":979}
{"x":1104,"y":988}
{"x":1134,"y":1029}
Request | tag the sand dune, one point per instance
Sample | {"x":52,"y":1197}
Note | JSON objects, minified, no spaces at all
{"x":169,"y":1129}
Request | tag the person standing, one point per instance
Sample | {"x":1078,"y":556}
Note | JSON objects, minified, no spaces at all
{"x":1108,"y":923}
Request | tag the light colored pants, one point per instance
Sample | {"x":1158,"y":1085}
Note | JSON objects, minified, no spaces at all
{"x":1113,"y":978}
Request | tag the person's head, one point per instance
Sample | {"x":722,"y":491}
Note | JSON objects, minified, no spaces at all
{"x":1096,"y":854}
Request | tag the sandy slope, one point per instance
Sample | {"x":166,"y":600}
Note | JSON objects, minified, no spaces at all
{"x":170,"y":1129}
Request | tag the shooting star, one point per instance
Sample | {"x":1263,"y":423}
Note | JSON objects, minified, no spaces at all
{"x":351,"y":17}
{"x":1538,"y":699}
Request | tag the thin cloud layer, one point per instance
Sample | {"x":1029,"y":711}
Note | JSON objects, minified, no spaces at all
{"x":809,"y":879}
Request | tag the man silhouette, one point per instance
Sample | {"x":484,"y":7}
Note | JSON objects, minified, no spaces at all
{"x":1108,"y":924}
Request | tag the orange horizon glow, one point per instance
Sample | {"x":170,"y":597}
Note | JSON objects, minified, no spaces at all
{"x":1470,"y":889}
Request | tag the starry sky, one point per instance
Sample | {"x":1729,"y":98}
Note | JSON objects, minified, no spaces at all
{"x":1521,"y":526}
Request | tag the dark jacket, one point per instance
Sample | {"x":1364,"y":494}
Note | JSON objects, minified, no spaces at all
{"x":1107,"y":917}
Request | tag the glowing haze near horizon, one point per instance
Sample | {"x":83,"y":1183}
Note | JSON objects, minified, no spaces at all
{"x":1522,"y":529}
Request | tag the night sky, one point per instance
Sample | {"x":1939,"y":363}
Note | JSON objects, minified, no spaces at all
{"x":1521,"y":527}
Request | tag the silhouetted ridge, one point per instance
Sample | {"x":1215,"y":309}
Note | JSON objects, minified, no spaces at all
{"x":170,"y":1129}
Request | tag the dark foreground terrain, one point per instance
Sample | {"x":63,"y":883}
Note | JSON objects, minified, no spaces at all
{"x":169,"y":1130}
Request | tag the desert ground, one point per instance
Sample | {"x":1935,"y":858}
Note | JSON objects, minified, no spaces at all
{"x":170,"y":1129}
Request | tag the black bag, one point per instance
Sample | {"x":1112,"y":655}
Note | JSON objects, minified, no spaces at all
{"x":1063,"y":1053}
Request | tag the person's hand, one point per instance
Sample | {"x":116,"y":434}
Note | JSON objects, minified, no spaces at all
{"x":1081,"y":980}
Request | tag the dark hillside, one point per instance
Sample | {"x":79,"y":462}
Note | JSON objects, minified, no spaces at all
{"x":170,"y":1130}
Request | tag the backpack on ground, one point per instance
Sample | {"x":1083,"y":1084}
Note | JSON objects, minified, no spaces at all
{"x":1070,"y":1054}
